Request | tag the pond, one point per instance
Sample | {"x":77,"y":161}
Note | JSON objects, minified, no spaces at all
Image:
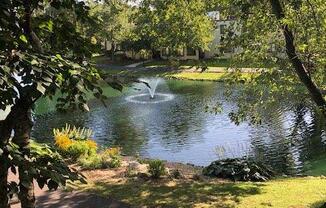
{"x":177,"y":127}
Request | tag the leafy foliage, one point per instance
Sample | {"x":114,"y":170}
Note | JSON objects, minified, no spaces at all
{"x":260,"y":36}
{"x":156,"y":168}
{"x":61,"y":65}
{"x":75,"y":142}
{"x":174,"y":24}
{"x":115,"y":20}
{"x":239,"y":170}
{"x":74,"y":132}
{"x":46,"y":166}
{"x":109,"y":158}
{"x":43,"y":52}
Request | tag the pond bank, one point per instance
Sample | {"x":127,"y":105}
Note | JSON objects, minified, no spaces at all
{"x":195,"y":190}
{"x":219,"y":74}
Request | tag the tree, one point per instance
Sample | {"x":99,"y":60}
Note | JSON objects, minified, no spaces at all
{"x":115,"y":21}
{"x":288,"y":36}
{"x":41,"y":53}
{"x":175,"y":24}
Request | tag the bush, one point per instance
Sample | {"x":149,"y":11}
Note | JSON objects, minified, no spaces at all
{"x":156,"y":168}
{"x":74,"y":142}
{"x":101,"y":160}
{"x":81,"y":148}
{"x":239,"y":170}
{"x":91,"y":162}
{"x":112,"y":156}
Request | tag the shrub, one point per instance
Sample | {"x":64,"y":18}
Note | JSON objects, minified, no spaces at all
{"x":81,"y":148}
{"x":91,"y":162}
{"x":156,"y":168}
{"x":115,"y":162}
{"x":239,"y":170}
{"x":74,"y":142}
{"x":114,"y":151}
{"x":112,"y":156}
{"x":101,"y":160}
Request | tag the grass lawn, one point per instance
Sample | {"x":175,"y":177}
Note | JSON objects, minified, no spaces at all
{"x":213,"y":62}
{"x":206,"y":76}
{"x":293,"y":192}
{"x":180,"y":74}
{"x":209,"y":62}
{"x":279,"y":193}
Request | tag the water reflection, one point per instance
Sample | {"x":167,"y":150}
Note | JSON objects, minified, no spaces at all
{"x":180,"y":129}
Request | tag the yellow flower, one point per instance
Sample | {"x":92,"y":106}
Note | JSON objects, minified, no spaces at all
{"x":114,"y":151}
{"x":63,"y":141}
{"x":91,"y":144}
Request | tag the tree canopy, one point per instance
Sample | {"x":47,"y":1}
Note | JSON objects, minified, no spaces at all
{"x":175,"y":24}
{"x":288,"y":36}
{"x":43,"y":52}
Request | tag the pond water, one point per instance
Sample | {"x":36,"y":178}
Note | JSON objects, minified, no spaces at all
{"x":176,"y":126}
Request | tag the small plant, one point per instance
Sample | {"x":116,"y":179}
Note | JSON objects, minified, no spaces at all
{"x":114,"y":151}
{"x":176,"y":174}
{"x":115,"y":162}
{"x":156,"y":168}
{"x":113,"y":157}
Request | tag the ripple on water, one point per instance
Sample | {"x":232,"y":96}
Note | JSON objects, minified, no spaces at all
{"x":146,"y":99}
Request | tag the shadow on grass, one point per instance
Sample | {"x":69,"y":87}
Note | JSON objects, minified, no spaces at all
{"x":177,"y":194}
{"x":320,"y":204}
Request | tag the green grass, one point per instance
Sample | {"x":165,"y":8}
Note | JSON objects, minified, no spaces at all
{"x":279,"y":193}
{"x":188,"y":63}
{"x":181,"y":74}
{"x":211,"y":63}
{"x":206,"y":76}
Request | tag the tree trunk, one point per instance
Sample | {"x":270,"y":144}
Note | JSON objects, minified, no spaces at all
{"x":112,"y":51}
{"x":5,"y":133}
{"x":297,"y":64}
{"x":35,"y":41}
{"x":22,"y":129}
{"x":23,"y":121}
{"x":4,"y":200}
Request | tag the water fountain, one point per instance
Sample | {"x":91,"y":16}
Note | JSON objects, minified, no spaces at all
{"x":152,"y":88}
{"x":152,"y":96}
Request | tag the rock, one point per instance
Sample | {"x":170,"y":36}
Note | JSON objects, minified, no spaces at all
{"x":134,"y":168}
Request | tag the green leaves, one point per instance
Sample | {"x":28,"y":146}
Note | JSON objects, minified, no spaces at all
{"x":175,"y":24}
{"x":40,"y":88}
{"x":23,"y":38}
{"x":47,"y":25}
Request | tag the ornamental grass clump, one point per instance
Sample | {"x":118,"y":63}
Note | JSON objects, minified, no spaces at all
{"x":75,"y":142}
{"x":156,"y":168}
